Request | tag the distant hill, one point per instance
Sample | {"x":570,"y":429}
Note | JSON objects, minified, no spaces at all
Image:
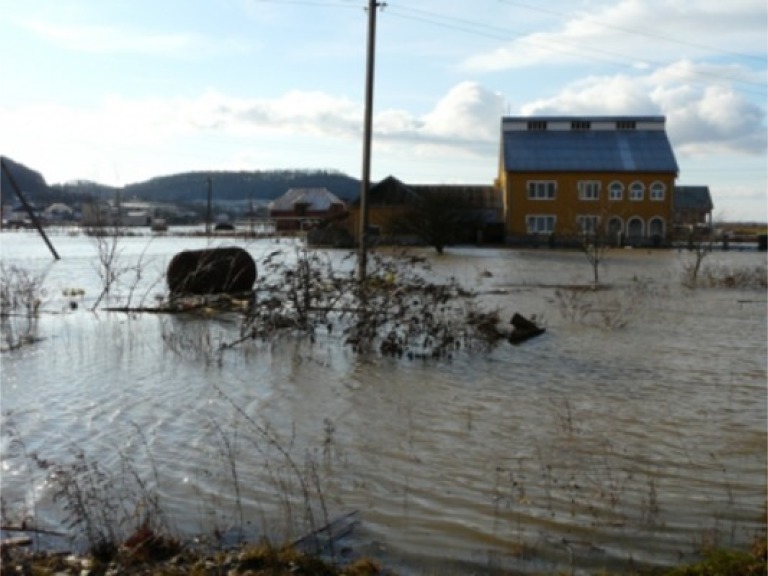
{"x":184,"y":188}
{"x":192,"y":187}
{"x":31,"y":183}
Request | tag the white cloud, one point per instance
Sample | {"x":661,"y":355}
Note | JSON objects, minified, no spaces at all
{"x":633,"y":33}
{"x":717,"y":120}
{"x":125,"y":140}
{"x":597,"y":95}
{"x":701,"y":118}
{"x":467,"y":112}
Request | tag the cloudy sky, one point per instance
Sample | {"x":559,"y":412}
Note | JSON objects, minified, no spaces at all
{"x":119,"y":91}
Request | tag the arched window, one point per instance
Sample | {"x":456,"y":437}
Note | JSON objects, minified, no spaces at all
{"x":657,"y":191}
{"x":616,"y":191}
{"x":635,"y":228}
{"x":636,"y":191}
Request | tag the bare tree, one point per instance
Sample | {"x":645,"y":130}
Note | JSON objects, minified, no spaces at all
{"x":698,"y":240}
{"x":438,"y":219}
{"x":593,"y":242}
{"x":108,"y":255}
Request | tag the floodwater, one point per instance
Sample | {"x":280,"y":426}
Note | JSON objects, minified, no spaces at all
{"x":634,"y":430}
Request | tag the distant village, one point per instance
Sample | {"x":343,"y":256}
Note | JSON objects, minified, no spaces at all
{"x":560,"y":179}
{"x":297,"y":210}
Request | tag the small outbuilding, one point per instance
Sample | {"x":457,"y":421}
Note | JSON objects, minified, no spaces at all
{"x":692,"y":205}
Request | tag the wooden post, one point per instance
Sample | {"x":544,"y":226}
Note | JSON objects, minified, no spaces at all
{"x":27,"y":207}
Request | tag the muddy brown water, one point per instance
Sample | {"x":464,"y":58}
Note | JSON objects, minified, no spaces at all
{"x":635,"y":432}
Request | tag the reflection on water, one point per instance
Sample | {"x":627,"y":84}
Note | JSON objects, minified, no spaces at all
{"x":604,"y":445}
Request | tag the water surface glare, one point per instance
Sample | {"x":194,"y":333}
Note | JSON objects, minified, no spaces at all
{"x":604,"y":445}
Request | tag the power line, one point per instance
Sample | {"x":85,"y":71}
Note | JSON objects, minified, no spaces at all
{"x":495,"y":32}
{"x":336,"y":4}
{"x":638,"y":32}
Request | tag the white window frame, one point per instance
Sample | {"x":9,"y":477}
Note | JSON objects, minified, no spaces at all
{"x":532,"y":222}
{"x":658,"y":192}
{"x":588,"y":223}
{"x":616,"y":191}
{"x":636,"y":191}
{"x":589,"y":190}
{"x":541,"y":189}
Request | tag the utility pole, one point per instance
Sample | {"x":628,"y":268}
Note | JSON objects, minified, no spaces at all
{"x":362,"y":259}
{"x":31,"y":213}
{"x":208,"y":207}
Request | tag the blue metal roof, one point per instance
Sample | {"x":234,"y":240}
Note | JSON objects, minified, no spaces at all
{"x":588,"y":151}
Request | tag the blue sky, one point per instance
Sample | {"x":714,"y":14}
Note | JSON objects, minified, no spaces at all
{"x":119,"y":91}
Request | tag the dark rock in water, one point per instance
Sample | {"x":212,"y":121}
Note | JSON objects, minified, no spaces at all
{"x":211,"y":271}
{"x":523,"y":329}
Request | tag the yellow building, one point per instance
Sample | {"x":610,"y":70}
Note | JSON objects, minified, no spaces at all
{"x":564,"y":176}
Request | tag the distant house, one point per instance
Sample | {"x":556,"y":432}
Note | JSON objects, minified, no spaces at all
{"x":135,"y":213}
{"x":692,"y":206}
{"x":305,"y":208}
{"x":386,"y":202}
{"x":58,"y":212}
{"x":98,"y":213}
{"x":484,"y":203}
{"x":563,"y":176}
{"x":390,"y":199}
{"x":17,"y":215}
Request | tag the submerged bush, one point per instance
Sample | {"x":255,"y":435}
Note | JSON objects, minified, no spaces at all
{"x":724,"y":276}
{"x":398,"y":310}
{"x":21,"y":297}
{"x":604,"y":307}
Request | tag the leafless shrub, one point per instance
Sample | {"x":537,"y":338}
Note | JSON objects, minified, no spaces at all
{"x":197,"y":338}
{"x":607,"y":308}
{"x":108,"y":265}
{"x":230,"y":454}
{"x":138,"y":271}
{"x":698,"y":245}
{"x":21,"y":298}
{"x":102,"y":508}
{"x":114,"y":271}
{"x":397,"y":310}
{"x":573,"y":303}
{"x":23,"y":514}
{"x":298,"y":486}
{"x":724,"y":276}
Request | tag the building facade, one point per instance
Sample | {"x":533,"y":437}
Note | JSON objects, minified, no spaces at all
{"x":563,"y":177}
{"x":390,"y":200}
